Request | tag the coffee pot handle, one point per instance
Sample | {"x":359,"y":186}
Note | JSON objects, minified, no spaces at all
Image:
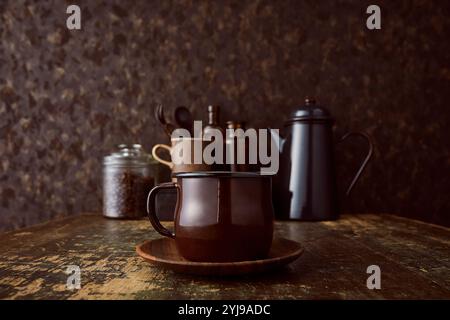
{"x":151,"y":207}
{"x":366,"y":159}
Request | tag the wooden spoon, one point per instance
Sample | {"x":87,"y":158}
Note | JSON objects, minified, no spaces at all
{"x":159,"y":115}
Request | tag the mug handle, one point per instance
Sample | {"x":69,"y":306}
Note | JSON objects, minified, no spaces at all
{"x":155,"y":155}
{"x":366,"y":159}
{"x":151,"y":207}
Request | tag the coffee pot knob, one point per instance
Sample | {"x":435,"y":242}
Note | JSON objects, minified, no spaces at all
{"x":310,"y":101}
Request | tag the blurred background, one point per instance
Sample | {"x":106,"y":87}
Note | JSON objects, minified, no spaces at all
{"x":68,"y":97}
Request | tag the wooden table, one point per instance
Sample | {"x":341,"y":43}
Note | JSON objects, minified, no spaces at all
{"x":413,"y":258}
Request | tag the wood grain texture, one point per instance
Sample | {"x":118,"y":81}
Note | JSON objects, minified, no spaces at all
{"x":413,"y":257}
{"x":67,"y":98}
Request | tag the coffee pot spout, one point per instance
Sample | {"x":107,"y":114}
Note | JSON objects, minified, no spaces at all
{"x":277,"y":139}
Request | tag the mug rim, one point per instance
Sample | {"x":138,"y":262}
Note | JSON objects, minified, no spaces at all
{"x":177,"y":139}
{"x":214,"y":174}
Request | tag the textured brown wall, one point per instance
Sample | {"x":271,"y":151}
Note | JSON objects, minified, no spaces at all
{"x":67,"y":97}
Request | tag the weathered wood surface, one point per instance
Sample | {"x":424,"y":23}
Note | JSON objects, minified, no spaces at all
{"x":413,"y":257}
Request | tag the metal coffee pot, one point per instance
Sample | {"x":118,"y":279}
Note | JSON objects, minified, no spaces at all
{"x":305,"y":187}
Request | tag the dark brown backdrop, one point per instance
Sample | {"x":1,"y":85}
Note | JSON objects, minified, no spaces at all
{"x":67,"y":97}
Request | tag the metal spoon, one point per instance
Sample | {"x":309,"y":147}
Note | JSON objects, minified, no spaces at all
{"x":183,"y":118}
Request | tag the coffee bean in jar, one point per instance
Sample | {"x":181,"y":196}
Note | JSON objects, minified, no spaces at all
{"x":128,"y":177}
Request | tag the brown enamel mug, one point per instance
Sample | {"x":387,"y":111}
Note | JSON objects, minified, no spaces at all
{"x":219,"y":216}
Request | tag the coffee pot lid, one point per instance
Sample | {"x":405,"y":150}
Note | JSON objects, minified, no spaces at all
{"x":310,"y":111}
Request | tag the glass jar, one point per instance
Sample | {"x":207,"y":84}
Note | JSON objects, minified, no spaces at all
{"x":128,"y":176}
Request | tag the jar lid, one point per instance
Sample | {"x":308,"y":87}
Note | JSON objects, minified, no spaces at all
{"x":310,"y":111}
{"x":129,"y":155}
{"x":235,"y":124}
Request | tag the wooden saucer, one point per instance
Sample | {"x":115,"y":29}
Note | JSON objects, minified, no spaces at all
{"x":163,"y":252}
